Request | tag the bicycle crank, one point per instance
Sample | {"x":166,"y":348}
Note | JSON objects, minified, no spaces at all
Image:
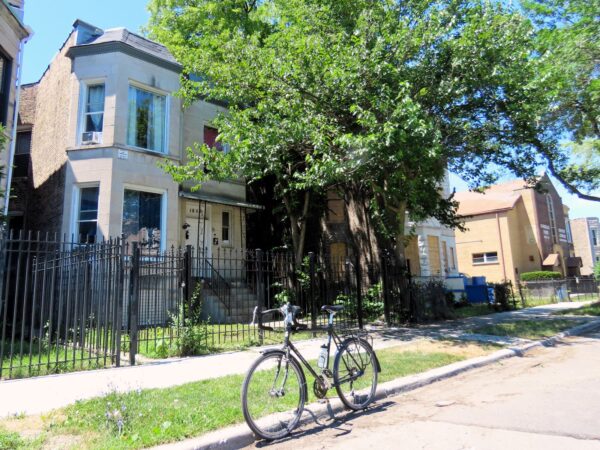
{"x":320,"y":387}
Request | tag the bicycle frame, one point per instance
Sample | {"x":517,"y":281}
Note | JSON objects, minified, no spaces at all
{"x":331,"y":336}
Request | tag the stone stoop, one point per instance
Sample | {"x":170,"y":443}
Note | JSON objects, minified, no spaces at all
{"x":242,"y":300}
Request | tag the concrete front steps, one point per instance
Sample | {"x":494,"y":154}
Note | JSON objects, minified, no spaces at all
{"x":242,"y":301}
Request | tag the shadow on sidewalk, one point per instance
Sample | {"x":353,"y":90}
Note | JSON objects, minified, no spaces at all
{"x":341,"y":422}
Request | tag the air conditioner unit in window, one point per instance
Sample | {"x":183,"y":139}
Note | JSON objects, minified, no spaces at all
{"x":91,"y":137}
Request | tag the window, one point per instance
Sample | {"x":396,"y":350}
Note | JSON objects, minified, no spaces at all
{"x":142,"y":219}
{"x":225,"y":227}
{"x":22,"y":151}
{"x":594,"y":238}
{"x":445,"y":255}
{"x":87,"y":216}
{"x":5,"y":72}
{"x":552,"y":218}
{"x":147,"y":120}
{"x":210,"y":139}
{"x":485,"y":258}
{"x":452,"y":258}
{"x":94,"y":108}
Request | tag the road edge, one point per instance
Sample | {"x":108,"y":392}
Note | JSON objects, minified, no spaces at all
{"x":238,"y":436}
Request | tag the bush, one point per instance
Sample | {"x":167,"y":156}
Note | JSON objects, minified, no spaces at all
{"x":541,"y":275}
{"x":502,"y":296}
{"x":597,"y":271}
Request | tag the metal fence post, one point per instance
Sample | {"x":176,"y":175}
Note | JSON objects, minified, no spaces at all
{"x":188,"y":291}
{"x":260,"y":289}
{"x":134,"y":294}
{"x":120,"y":298}
{"x":386,"y":289}
{"x":359,"y":302}
{"x":311,"y":293}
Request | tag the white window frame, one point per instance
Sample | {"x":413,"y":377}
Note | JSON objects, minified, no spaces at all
{"x":75,"y":206}
{"x":487,"y":258}
{"x":166,"y":137}
{"x":230,"y":227}
{"x":163,"y":208}
{"x":83,"y":91}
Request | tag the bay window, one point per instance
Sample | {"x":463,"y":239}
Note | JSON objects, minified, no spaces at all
{"x":94,"y":108}
{"x":87,"y":214}
{"x":142,"y":219}
{"x":147,"y":120}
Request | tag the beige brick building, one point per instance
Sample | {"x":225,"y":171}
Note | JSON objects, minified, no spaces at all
{"x":102,"y":119}
{"x":13,"y":35}
{"x":512,"y":229}
{"x":586,"y":239}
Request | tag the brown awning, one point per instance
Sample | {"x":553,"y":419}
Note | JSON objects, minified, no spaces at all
{"x":551,"y":260}
{"x":574,"y":262}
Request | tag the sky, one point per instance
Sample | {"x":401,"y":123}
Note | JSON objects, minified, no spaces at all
{"x":52,"y":20}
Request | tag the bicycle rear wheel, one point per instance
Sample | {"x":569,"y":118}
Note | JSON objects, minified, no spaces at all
{"x":355,"y":373}
{"x":273,"y":395}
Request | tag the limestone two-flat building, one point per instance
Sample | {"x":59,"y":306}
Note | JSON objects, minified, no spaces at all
{"x":101,"y":120}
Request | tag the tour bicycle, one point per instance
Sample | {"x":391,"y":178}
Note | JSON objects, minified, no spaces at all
{"x":274,"y":391}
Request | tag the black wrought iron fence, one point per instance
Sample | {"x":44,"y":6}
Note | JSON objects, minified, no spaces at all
{"x":70,"y":306}
{"x":60,"y":304}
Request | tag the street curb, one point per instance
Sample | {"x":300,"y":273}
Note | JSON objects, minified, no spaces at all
{"x":239,"y":436}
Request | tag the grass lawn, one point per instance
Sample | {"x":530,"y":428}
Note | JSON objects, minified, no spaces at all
{"x":50,"y":360}
{"x":590,"y":310}
{"x":528,"y":329}
{"x":159,"y":343}
{"x":150,"y":417}
{"x":473,"y":310}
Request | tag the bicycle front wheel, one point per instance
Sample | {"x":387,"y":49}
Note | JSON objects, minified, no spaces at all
{"x":355,"y":373}
{"x":273,"y":395}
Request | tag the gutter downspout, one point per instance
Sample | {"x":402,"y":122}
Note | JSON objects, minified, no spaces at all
{"x":501,"y":246}
{"x":13,"y":134}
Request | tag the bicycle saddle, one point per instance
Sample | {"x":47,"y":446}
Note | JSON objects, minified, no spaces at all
{"x":332,"y":308}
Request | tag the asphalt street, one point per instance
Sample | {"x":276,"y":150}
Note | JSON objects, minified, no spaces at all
{"x":548,"y":399}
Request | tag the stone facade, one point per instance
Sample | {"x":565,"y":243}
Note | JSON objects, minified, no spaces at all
{"x":63,"y":164}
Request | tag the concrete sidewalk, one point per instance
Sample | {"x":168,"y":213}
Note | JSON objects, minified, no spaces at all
{"x":42,"y":394}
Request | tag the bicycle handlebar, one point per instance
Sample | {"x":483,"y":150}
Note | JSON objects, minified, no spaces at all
{"x":289,"y":313}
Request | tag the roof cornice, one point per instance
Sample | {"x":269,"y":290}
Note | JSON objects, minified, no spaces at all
{"x":16,"y":22}
{"x":111,"y":47}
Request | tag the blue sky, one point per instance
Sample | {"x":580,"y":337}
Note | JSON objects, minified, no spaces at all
{"x":51,"y":21}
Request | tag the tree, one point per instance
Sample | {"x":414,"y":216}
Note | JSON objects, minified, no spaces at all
{"x":384,"y":95}
{"x":568,"y":52}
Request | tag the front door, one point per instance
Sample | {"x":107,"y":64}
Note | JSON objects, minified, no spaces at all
{"x":199,"y":236}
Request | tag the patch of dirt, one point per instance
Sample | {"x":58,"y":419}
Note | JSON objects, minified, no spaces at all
{"x":29,"y":427}
{"x":463,"y":349}
{"x":63,"y":441}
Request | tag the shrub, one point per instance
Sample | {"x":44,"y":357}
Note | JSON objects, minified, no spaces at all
{"x":540,"y":275}
{"x":597,"y":271}
{"x":502,"y":296}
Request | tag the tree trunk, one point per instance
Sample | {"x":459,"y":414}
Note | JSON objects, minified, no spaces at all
{"x":298,"y":226}
{"x":360,"y":226}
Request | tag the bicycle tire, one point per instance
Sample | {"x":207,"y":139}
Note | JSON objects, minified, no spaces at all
{"x":355,"y":355}
{"x":258,"y":395}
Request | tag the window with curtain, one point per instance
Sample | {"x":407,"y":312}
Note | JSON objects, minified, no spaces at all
{"x":87,"y":216}
{"x":142,"y":219}
{"x":94,"y":108}
{"x":210,"y":139}
{"x":147,"y":119}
